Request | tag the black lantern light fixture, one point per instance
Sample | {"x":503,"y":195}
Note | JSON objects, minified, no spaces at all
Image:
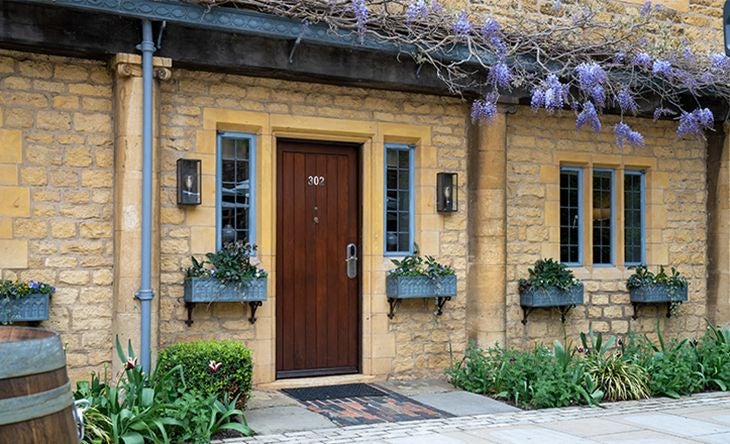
{"x":447,"y":192}
{"x":188,"y":181}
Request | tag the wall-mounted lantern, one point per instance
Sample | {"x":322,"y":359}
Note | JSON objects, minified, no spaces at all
{"x":447,"y":192}
{"x":188,"y":181}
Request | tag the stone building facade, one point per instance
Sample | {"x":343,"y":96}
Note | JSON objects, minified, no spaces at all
{"x":70,"y":180}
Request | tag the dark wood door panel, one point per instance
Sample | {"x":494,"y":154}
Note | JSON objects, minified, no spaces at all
{"x":318,"y":215}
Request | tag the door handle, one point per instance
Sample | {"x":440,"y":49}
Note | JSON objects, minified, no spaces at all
{"x":351,"y":260}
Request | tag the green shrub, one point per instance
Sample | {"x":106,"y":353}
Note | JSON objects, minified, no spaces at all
{"x":713,"y":351}
{"x":538,"y":378}
{"x":548,"y":273}
{"x":220,"y":368}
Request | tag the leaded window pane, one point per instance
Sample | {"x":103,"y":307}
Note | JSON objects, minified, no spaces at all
{"x":602,"y":216}
{"x":570,"y":223}
{"x":398,"y":199}
{"x":235,"y":192}
{"x":633,"y":212}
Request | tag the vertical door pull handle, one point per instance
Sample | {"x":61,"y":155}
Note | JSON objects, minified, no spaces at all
{"x":351,"y":260}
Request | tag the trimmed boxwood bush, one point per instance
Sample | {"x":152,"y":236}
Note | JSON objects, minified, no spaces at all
{"x":212,"y":367}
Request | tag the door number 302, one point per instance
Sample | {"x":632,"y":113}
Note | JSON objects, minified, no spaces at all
{"x":315,"y":181}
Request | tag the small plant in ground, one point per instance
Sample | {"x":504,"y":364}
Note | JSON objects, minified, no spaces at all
{"x":142,"y":408}
{"x":220,"y":368}
{"x":713,"y":351}
{"x":618,"y":377}
{"x":547,"y":273}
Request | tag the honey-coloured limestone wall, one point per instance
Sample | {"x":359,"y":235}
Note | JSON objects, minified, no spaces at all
{"x":194,"y":105}
{"x":676,"y":222}
{"x":56,"y":199}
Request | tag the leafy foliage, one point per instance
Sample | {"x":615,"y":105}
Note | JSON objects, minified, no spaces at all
{"x":713,"y":352}
{"x":642,"y":277}
{"x":415,"y":265}
{"x":235,"y":264}
{"x":139,"y":408}
{"x":20,"y":289}
{"x":219,"y":368}
{"x":537,"y":378}
{"x":548,"y":273}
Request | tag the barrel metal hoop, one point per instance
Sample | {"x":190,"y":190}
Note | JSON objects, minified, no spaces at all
{"x":22,"y":408}
{"x":29,"y":357}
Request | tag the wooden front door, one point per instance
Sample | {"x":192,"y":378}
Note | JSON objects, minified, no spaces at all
{"x":318,"y":226}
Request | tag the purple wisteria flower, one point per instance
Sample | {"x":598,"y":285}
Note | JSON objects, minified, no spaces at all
{"x":707,"y":77}
{"x":462,"y":25}
{"x":484,"y":109}
{"x":556,"y":7}
{"x":662,"y":67}
{"x":436,"y":7}
{"x":491,"y":29}
{"x":687,"y":54}
{"x":619,"y":57}
{"x":360,"y":9}
{"x":659,"y":112}
{"x":626,"y":101}
{"x":720,"y":61}
{"x":416,"y":10}
{"x":590,"y":80}
{"x":695,"y":123}
{"x":645,"y":9}
{"x":642,"y":59}
{"x":551,"y":96}
{"x":588,"y":116}
{"x":624,"y":134}
{"x":500,"y":76}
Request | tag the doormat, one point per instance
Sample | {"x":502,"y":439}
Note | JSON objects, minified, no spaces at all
{"x":358,"y":404}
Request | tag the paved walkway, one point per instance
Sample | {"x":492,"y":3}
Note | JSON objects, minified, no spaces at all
{"x":702,"y":418}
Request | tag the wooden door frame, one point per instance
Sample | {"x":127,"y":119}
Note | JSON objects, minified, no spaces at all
{"x":358,"y":147}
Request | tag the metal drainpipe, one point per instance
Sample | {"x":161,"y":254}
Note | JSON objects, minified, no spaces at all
{"x":145,"y":293}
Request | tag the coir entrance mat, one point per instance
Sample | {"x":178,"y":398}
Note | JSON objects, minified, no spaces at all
{"x":357,"y":404}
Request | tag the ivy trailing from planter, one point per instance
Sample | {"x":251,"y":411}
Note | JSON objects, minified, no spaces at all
{"x":646,"y":287}
{"x":549,"y":284}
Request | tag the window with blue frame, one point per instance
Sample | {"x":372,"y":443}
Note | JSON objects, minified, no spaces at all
{"x":570,"y":216}
{"x":603,"y":216}
{"x":634,"y":218}
{"x":236,"y":185}
{"x":399,"y":199}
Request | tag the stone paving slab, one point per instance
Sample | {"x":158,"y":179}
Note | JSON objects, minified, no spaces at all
{"x":286,"y":419}
{"x":481,"y":426}
{"x":464,"y":403}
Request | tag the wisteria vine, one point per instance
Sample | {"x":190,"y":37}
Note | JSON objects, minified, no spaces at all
{"x":567,"y":58}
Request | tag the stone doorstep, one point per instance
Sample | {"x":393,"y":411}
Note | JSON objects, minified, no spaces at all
{"x":498,"y":420}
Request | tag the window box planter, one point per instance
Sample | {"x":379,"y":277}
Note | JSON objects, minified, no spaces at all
{"x":538,"y":297}
{"x":658,"y":294}
{"x":207,"y":290}
{"x":30,"y":308}
{"x":442,"y":288}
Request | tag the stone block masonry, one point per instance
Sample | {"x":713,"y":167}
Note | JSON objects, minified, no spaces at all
{"x":56,"y":186}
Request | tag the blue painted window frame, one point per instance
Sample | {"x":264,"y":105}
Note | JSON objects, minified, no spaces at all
{"x":642,"y":185}
{"x":252,"y":184}
{"x":579,"y":171}
{"x":613,"y":217}
{"x":411,"y":194}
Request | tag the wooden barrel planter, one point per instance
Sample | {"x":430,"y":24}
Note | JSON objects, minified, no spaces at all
{"x":35,"y":394}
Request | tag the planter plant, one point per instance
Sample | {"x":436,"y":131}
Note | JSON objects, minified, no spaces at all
{"x":24,"y":301}
{"x":229,"y":275}
{"x":550,"y":284}
{"x":646,"y":287}
{"x":415,"y":277}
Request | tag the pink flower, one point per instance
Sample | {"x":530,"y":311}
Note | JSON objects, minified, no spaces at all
{"x":214,"y":366}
